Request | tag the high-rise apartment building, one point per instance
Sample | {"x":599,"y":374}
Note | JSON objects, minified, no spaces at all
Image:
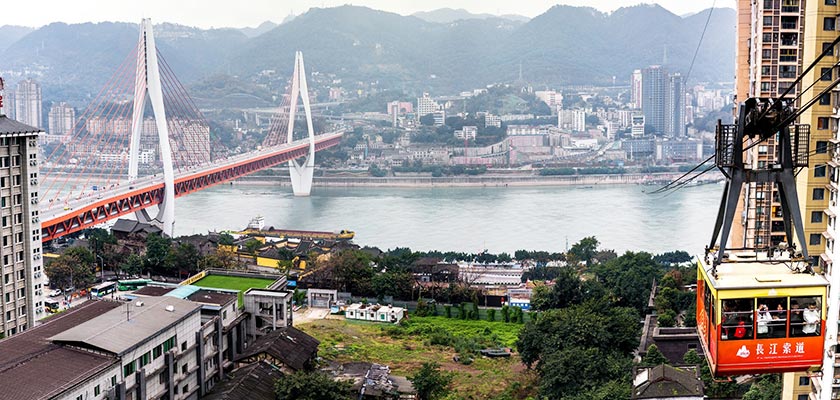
{"x":636,"y":89}
{"x":426,"y":105}
{"x":23,"y":280}
{"x":28,"y":103}
{"x":675,"y":106}
{"x":817,"y":186}
{"x":663,"y":101}
{"x":62,"y":119}
{"x":769,"y":58}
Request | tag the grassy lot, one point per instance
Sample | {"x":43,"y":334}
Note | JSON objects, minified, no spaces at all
{"x":233,"y":283}
{"x":405,"y":348}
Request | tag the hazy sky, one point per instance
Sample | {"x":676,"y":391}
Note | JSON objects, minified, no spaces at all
{"x":241,"y":13}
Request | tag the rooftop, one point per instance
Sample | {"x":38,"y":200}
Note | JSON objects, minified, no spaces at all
{"x":254,"y":381}
{"x":154,"y":291}
{"x":213,"y":297}
{"x":290,"y":345}
{"x":267,"y":292}
{"x":665,"y":381}
{"x":31,"y":367}
{"x":744,"y":271}
{"x":10,"y":127}
{"x":120,"y":330}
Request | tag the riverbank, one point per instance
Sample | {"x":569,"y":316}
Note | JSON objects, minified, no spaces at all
{"x":487,"y":180}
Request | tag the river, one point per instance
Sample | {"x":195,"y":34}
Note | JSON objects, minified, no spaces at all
{"x":498,"y":219}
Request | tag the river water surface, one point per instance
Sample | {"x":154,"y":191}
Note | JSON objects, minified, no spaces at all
{"x":622,"y":217}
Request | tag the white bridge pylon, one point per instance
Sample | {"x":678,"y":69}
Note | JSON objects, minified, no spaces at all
{"x":147,"y":81}
{"x":301,"y":173}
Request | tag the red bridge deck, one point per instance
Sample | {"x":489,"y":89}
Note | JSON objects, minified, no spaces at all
{"x":130,"y":197}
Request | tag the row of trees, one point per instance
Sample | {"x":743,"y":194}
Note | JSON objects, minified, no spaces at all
{"x":161,"y":256}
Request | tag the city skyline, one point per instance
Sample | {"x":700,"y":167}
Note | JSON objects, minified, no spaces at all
{"x":213,"y":13}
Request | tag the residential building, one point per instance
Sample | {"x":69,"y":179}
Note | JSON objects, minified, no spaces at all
{"x":440,"y":117}
{"x":492,"y":120}
{"x":637,"y":129}
{"x":426,"y":105}
{"x":550,"y":97}
{"x":574,"y":120}
{"x":675,"y":114}
{"x":636,"y":89}
{"x":771,"y":56}
{"x":28,"y":103}
{"x":24,"y":280}
{"x":467,"y":133}
{"x":374,"y":312}
{"x":62,"y":119}
{"x":663,"y":101}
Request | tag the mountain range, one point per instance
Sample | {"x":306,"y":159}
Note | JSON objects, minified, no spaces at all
{"x":563,"y":46}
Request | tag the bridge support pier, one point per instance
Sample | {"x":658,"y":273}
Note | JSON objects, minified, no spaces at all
{"x":148,"y":82}
{"x":301,"y":173}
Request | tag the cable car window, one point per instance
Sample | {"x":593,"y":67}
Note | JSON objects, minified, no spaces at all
{"x":707,"y":299}
{"x":805,"y":316}
{"x":737,"y":319}
{"x":771,"y":318}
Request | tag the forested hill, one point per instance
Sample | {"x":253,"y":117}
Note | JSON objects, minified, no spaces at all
{"x":565,"y":45}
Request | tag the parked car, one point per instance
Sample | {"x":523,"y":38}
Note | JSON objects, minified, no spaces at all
{"x":55,"y":292}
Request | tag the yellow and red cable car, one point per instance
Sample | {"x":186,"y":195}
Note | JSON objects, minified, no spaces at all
{"x":757,"y":314}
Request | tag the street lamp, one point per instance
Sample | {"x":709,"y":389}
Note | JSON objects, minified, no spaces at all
{"x":101,"y":267}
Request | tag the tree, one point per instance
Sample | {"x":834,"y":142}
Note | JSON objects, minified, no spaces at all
{"x":398,"y":284}
{"x":298,"y":297}
{"x":74,"y":268}
{"x":430,"y":383}
{"x":226,"y":239}
{"x":132,"y":265}
{"x":185,"y":257}
{"x":427,"y":120}
{"x":157,"y":254}
{"x":654,"y":357}
{"x":585,"y":249}
{"x":253,"y":245}
{"x":629,"y":278}
{"x":768,"y":387}
{"x":312,"y":385}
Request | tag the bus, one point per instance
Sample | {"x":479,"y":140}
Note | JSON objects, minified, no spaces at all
{"x":133,"y":284}
{"x":52,"y":306}
{"x":103,"y":289}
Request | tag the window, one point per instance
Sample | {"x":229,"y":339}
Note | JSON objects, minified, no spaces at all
{"x":815,"y":239}
{"x":162,"y":378}
{"x":802,"y":397}
{"x":816,"y":216}
{"x":771,"y":317}
{"x":804,"y":381}
{"x":768,"y":20}
{"x":825,"y":100}
{"x":129,"y":369}
{"x":96,"y":390}
{"x":157,"y":351}
{"x":825,"y":74}
{"x":186,"y":389}
{"x":805,"y":315}
{"x":819,"y":194}
{"x":185,"y":368}
{"x":737,"y":319}
{"x":145,"y":359}
{"x":114,"y":380}
{"x":831,"y":2}
{"x":829,"y":23}
{"x":821,"y":147}
{"x":79,"y":397}
{"x":184,"y":346}
{"x":169,"y":344}
{"x":828,"y":48}
{"x":787,"y":55}
{"x":820,"y":171}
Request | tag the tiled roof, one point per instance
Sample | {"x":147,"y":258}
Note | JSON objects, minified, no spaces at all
{"x":118,"y":331}
{"x":154,"y":291}
{"x":254,"y":382}
{"x":32,"y":367}
{"x":212,"y":297}
{"x":291,"y":346}
{"x":11,"y":127}
{"x":666,"y":381}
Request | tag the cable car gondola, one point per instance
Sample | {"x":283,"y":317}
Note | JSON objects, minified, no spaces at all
{"x":759,"y":314}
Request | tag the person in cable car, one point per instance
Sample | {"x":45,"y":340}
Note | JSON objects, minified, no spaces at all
{"x":741,"y":329}
{"x":763,"y":319}
{"x":796,"y":319}
{"x":811,"y":317}
{"x":777,"y":325}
